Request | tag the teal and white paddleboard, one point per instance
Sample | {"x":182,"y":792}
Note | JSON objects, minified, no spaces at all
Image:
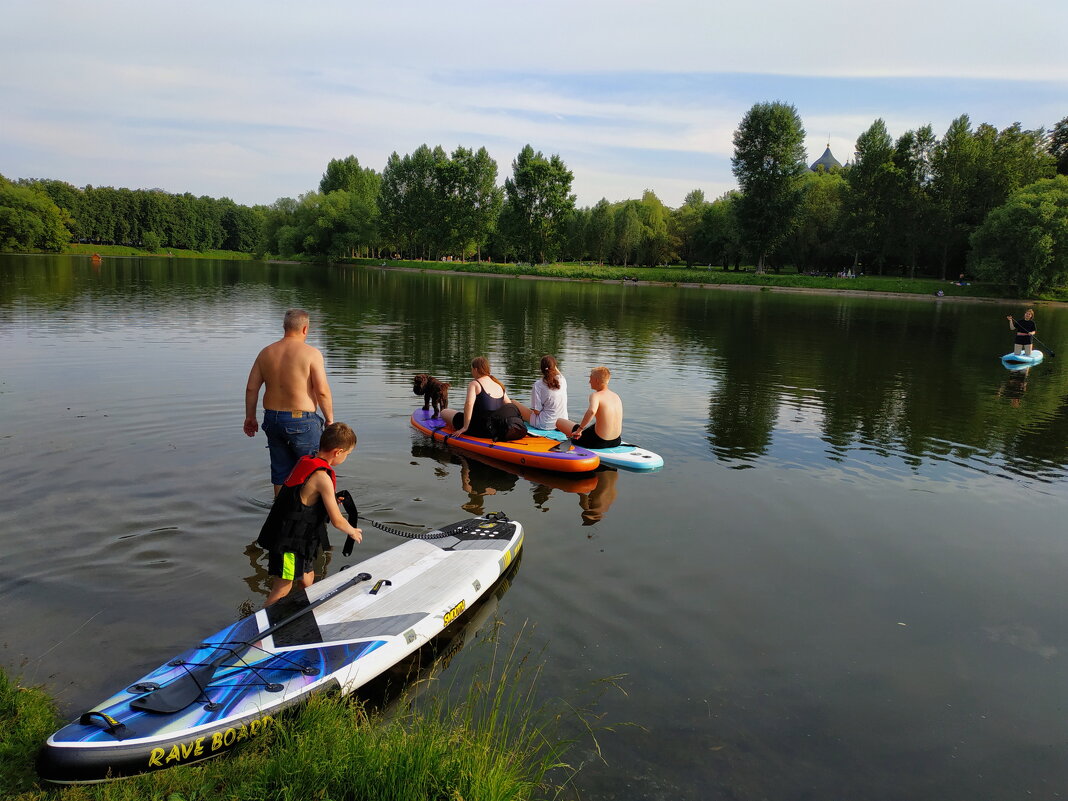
{"x":626,"y":455}
{"x":1022,"y":358}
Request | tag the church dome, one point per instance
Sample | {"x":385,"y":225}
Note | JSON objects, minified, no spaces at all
{"x":827,"y":161}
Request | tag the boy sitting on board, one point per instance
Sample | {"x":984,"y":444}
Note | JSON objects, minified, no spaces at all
{"x":295,"y":529}
{"x":606,"y":412}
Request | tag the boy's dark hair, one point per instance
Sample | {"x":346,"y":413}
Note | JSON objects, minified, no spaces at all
{"x":337,"y":435}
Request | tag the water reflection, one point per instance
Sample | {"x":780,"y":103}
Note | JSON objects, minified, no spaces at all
{"x":1015,"y":385}
{"x":595,"y":495}
{"x":482,"y":479}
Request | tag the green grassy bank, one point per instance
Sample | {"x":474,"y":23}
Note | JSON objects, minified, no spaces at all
{"x":126,"y":250}
{"x":488,"y":746}
{"x":704,"y":276}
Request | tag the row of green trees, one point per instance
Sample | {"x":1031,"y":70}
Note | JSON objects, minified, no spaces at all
{"x":914,"y":205}
{"x":148,"y":218}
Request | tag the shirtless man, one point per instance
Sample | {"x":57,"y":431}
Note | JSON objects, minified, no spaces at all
{"x":294,"y":377}
{"x":606,"y":412}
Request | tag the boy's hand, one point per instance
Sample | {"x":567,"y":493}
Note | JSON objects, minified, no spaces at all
{"x":357,"y":534}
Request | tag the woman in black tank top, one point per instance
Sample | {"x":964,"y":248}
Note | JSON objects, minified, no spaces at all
{"x":484,"y":395}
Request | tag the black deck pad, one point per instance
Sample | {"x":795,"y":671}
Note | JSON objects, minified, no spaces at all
{"x":302,"y":631}
{"x":478,"y":528}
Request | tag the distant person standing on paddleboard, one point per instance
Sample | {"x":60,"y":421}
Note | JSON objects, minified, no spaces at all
{"x":606,"y":412}
{"x":1025,"y":332}
{"x":548,"y":397}
{"x":294,"y":377}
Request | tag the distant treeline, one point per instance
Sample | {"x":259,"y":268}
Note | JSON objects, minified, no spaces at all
{"x":911,"y":206}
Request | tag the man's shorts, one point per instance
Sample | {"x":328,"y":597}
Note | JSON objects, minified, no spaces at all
{"x":290,"y":435}
{"x":288,"y":566}
{"x":590,"y":439}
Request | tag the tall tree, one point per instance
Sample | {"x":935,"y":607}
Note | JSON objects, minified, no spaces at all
{"x":911,"y":203}
{"x":538,"y":201}
{"x":29,"y":220}
{"x":685,"y":225}
{"x":341,"y":174}
{"x":600,"y":232}
{"x":816,"y":242}
{"x":872,"y":183}
{"x":657,"y":246}
{"x":768,"y":161}
{"x":1025,"y":241}
{"x":470,"y":199}
{"x":628,"y":232}
{"x":410,"y":202}
{"x":954,"y":167}
{"x":1058,"y":145}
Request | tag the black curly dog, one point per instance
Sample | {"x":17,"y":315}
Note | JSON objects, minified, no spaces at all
{"x":433,"y":391}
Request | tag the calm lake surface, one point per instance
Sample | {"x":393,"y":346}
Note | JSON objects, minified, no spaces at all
{"x":846,"y":582}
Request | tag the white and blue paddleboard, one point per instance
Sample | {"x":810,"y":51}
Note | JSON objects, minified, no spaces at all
{"x":339,"y":634}
{"x":1022,"y":358}
{"x":625,"y":455}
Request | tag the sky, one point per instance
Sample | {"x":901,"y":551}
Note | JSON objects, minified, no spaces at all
{"x":251,"y":100}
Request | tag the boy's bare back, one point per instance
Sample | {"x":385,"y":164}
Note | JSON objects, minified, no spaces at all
{"x":607,"y":410}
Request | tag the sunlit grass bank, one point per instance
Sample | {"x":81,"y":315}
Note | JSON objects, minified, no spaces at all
{"x":715,"y":276}
{"x":493,"y":742}
{"x":126,"y":250}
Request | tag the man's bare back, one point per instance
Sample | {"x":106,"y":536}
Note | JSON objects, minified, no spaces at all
{"x":294,"y":377}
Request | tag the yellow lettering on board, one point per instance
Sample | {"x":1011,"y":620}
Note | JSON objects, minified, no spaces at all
{"x":216,"y":741}
{"x":199,"y":748}
{"x":229,"y":737}
{"x":242,"y":733}
{"x":154,"y":759}
{"x":175,"y":755}
{"x":455,"y":612}
{"x":254,"y":728}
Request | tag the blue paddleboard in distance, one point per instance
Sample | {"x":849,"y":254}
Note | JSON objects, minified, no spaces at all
{"x":1035,"y":357}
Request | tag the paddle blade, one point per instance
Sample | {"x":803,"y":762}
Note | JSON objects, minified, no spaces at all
{"x":177,"y":695}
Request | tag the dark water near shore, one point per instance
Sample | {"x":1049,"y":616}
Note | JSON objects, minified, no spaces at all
{"x":847,"y":581}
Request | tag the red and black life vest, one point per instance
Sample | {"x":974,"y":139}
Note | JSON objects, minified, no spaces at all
{"x":292,"y":527}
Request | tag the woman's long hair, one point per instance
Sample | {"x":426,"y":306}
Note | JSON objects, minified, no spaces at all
{"x":550,"y":372}
{"x":480,"y":364}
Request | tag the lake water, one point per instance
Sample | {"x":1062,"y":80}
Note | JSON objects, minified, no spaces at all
{"x":846,"y":582}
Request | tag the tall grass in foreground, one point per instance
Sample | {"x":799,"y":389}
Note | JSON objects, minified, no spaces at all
{"x":494,"y":743}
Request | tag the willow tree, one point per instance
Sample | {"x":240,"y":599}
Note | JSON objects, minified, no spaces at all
{"x":769,"y":160}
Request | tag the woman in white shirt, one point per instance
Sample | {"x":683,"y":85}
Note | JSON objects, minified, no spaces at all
{"x":548,"y":398}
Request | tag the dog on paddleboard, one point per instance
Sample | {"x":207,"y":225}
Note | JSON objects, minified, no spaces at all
{"x":435,"y":393}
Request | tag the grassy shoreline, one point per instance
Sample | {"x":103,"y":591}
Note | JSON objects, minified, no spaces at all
{"x":490,"y":745}
{"x":715,"y":278}
{"x":688,"y":277}
{"x":128,"y":251}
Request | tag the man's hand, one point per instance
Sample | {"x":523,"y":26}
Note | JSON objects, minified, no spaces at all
{"x":251,"y":426}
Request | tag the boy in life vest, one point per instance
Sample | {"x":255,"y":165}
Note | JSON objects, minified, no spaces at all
{"x":295,"y":530}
